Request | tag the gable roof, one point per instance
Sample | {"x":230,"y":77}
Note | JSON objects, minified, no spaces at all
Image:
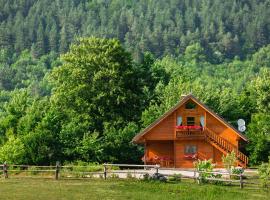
{"x":179,"y":104}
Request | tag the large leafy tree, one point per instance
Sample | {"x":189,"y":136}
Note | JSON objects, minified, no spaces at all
{"x":259,"y":128}
{"x":97,"y":83}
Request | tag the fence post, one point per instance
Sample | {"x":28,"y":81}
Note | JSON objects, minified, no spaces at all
{"x":194,"y":175}
{"x":5,"y":170}
{"x":241,"y":181}
{"x":105,"y":171}
{"x":157,"y":167}
{"x":198,"y":178}
{"x":57,"y":170}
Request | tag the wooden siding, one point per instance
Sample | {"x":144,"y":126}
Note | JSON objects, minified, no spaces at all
{"x":163,"y":131}
{"x":184,"y":113}
{"x":205,"y":151}
{"x":160,"y":148}
{"x":218,"y":158}
{"x":222,"y":130}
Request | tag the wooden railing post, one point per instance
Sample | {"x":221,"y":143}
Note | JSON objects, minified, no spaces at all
{"x":57,"y":170}
{"x":194,"y":176}
{"x":241,"y":181}
{"x":5,"y":170}
{"x":105,"y":171}
{"x":157,"y":167}
{"x":199,"y":177}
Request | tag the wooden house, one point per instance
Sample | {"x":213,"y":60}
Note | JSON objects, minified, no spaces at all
{"x":187,"y":132}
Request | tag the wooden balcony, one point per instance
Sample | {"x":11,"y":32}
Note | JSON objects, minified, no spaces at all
{"x":189,"y":132}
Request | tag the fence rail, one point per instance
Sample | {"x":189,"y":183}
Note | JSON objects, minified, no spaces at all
{"x":197,"y":176}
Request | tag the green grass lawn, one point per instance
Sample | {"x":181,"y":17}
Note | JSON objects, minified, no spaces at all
{"x":37,"y":188}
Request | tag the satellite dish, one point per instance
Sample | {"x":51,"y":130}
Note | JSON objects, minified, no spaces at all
{"x":242,"y":128}
{"x":241,"y":122}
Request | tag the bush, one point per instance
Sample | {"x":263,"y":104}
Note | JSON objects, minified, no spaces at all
{"x":236,"y":171}
{"x":129,"y":176}
{"x":114,"y":176}
{"x":146,"y":177}
{"x":81,"y":166}
{"x":79,"y":169}
{"x":158,"y":177}
{"x":264,"y":173}
{"x":229,"y":160}
{"x":32,"y":170}
{"x":204,"y":167}
{"x":175,"y":178}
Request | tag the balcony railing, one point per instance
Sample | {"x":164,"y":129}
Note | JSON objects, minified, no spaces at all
{"x":194,"y":127}
{"x":189,"y":131}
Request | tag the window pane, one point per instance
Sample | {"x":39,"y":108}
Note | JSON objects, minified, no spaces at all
{"x":190,"y":121}
{"x":190,"y":149}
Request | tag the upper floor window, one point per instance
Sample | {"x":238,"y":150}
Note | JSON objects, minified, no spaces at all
{"x":190,"y":105}
{"x":190,"y":121}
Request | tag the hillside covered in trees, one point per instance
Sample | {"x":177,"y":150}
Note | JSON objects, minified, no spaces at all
{"x":87,"y":101}
{"x":225,"y":29}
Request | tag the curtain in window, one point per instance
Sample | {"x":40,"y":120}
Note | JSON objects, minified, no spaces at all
{"x":202,"y":121}
{"x":179,"y":121}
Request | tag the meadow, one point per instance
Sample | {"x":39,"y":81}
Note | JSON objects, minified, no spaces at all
{"x":82,"y":189}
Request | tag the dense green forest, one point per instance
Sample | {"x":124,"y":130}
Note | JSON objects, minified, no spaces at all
{"x":88,"y":100}
{"x":225,"y":29}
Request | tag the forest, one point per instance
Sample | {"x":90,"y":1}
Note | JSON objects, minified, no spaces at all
{"x":79,"y":78}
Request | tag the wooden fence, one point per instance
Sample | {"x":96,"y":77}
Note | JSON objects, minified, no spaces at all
{"x":197,"y":176}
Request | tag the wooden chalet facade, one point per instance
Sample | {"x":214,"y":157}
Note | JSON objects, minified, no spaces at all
{"x":187,"y":132}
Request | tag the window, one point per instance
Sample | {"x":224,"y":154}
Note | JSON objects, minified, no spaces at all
{"x":190,"y":121}
{"x":179,"y":121}
{"x":190,"y":105}
{"x":190,"y":149}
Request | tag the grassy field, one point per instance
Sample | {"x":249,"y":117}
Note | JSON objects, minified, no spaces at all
{"x":39,"y":189}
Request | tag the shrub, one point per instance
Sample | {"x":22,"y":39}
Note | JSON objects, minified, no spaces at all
{"x":115,"y":176}
{"x":229,"y":160}
{"x":236,"y":171}
{"x":80,"y":169}
{"x":32,"y":170}
{"x":81,"y":166}
{"x":264,"y":174}
{"x":146,"y":177}
{"x":158,"y":177}
{"x":101,"y":176}
{"x":175,"y":178}
{"x":204,"y":167}
{"x":217,"y":176}
{"x":129,"y":175}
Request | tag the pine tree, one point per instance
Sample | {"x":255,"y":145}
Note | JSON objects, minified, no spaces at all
{"x":39,"y":47}
{"x":54,"y":38}
{"x":63,"y":46}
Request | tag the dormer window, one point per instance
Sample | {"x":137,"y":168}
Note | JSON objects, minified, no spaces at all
{"x":190,"y":105}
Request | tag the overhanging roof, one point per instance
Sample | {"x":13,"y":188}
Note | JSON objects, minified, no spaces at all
{"x":179,"y":104}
